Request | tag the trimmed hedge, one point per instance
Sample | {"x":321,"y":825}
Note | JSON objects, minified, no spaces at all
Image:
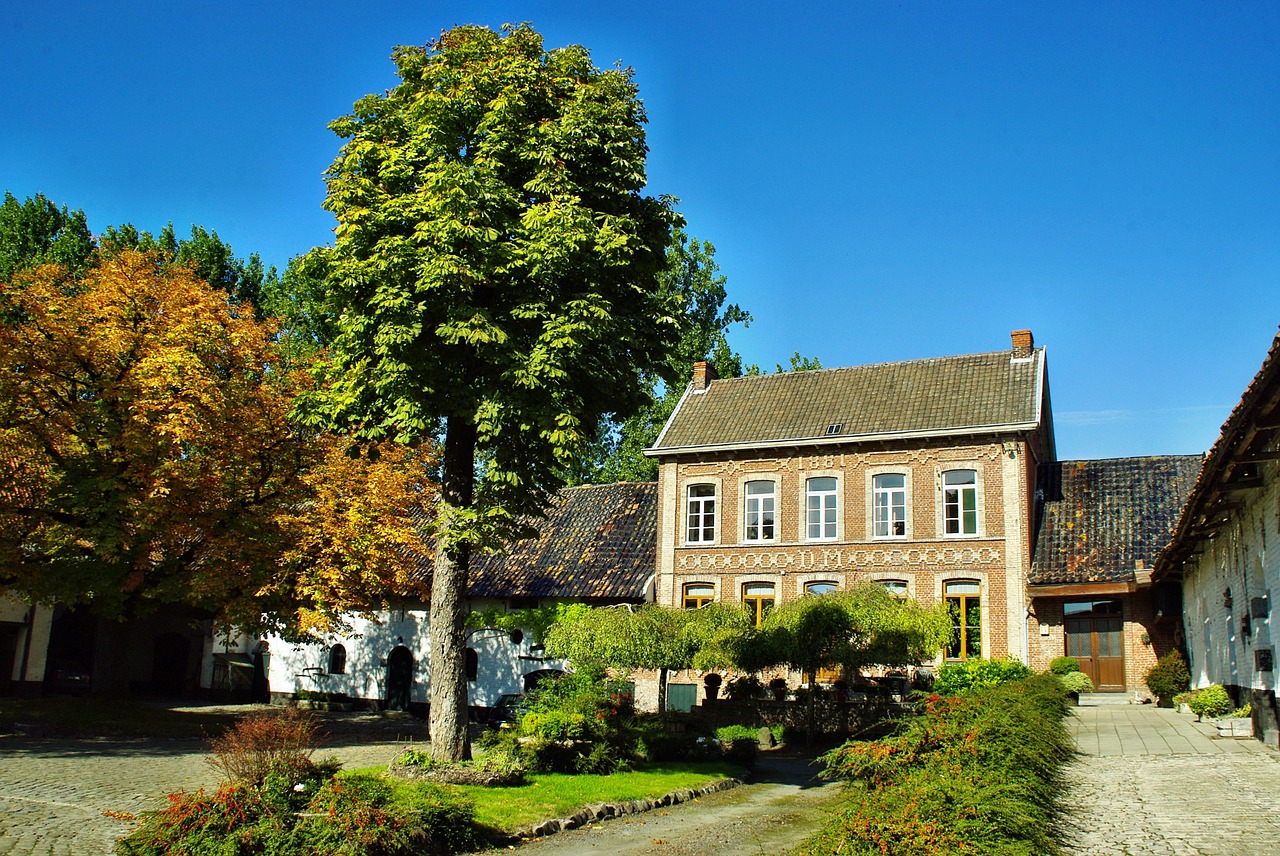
{"x":975,"y":673}
{"x":977,"y":773}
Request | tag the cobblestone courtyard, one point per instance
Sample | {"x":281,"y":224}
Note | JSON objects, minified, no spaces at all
{"x":1153,"y":782}
{"x":1149,"y":782}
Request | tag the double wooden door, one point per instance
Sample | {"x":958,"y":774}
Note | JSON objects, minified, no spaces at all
{"x":1095,"y":637}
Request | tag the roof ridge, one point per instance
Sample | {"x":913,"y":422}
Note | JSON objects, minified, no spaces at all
{"x":885,"y":364}
{"x":1124,"y":458}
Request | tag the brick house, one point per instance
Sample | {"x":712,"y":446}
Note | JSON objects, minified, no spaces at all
{"x":1101,"y":525}
{"x":1219,"y":554}
{"x":919,"y":475}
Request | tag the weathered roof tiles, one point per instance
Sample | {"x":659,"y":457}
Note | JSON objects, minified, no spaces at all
{"x":1102,"y":520}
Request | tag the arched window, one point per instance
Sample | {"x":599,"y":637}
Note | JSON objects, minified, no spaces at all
{"x":820,"y":587}
{"x":964,"y":606}
{"x":759,"y":600}
{"x":471,"y":663}
{"x":337,"y":660}
{"x":698,"y":595}
{"x":897,"y":588}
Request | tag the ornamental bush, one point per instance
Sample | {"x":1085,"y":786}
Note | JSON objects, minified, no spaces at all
{"x":975,"y":673}
{"x":1076,"y":682}
{"x":977,"y":773}
{"x":1169,"y":676}
{"x":1211,"y":701}
{"x":1064,"y":665}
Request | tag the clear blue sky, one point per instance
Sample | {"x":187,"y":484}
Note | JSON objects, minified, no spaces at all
{"x":881,"y":181}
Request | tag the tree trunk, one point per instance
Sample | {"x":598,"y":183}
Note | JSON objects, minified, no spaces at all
{"x":813,"y":698}
{"x":448,"y":603}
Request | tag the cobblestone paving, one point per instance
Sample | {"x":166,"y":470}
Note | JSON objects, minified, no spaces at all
{"x":53,"y":792}
{"x":1153,"y":782}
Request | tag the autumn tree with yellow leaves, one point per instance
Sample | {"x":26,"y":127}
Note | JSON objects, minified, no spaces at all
{"x":147,"y":458}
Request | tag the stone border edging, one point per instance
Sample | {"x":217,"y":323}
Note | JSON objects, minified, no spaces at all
{"x":604,"y":811}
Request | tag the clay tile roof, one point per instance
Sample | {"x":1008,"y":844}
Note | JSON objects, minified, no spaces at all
{"x":931,"y":396}
{"x":597,"y":541}
{"x":1099,"y":519}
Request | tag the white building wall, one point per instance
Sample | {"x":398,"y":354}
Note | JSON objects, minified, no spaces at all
{"x":1244,"y":558}
{"x":501,"y":664}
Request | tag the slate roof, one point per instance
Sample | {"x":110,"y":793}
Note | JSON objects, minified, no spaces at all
{"x":597,"y":541}
{"x":1099,"y":519}
{"x":919,"y":397}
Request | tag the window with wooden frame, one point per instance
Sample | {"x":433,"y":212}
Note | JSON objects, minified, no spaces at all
{"x":960,"y":502}
{"x":964,"y":606}
{"x":820,"y":509}
{"x":759,"y":599}
{"x":701,"y":507}
{"x":698,"y":595}
{"x":758,"y":510}
{"x":889,"y":506}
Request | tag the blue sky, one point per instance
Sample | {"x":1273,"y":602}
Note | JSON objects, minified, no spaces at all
{"x":881,"y":181}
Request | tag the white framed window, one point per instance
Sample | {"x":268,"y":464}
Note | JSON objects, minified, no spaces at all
{"x":759,"y":519}
{"x":889,"y":506}
{"x":820,"y":508}
{"x":701,"y":518}
{"x":960,"y":502}
{"x":896,"y":588}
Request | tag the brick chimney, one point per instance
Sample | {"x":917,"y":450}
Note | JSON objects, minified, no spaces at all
{"x":703,"y":374}
{"x":1023,"y":343}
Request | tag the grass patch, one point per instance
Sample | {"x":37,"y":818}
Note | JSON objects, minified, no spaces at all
{"x":549,"y":795}
{"x":92,"y":717}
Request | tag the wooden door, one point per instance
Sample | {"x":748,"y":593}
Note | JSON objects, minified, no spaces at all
{"x":1097,"y":641}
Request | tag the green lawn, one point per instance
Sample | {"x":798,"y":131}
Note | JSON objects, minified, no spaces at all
{"x":92,"y":717}
{"x":553,"y":795}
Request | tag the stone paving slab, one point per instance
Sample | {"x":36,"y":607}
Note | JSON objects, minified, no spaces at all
{"x":1153,"y":782}
{"x":53,"y":792}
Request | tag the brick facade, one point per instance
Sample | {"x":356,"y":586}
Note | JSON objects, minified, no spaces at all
{"x":925,"y":558}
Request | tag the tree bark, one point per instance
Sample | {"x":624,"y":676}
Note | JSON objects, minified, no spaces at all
{"x":448,"y":603}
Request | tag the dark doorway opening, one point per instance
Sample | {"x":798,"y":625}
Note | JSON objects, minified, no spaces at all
{"x":170,"y":665}
{"x":399,"y":678}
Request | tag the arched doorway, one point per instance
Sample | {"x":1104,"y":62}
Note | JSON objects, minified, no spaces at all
{"x":532,"y":679}
{"x":169,"y":663}
{"x":399,"y":678}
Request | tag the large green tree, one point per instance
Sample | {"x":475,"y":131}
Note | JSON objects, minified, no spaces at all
{"x":495,"y":279}
{"x":36,"y":231}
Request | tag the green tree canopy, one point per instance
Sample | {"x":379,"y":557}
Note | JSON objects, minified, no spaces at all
{"x":36,"y":232}
{"x":495,"y":277}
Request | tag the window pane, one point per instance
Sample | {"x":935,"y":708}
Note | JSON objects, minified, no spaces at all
{"x":699,"y":590}
{"x":897,"y":588}
{"x":819,"y":588}
{"x":959,"y":477}
{"x":758,"y":590}
{"x":822,"y":484}
{"x":759,"y":487}
{"x":702,"y":490}
{"x":891,"y":480}
{"x":962,"y":587}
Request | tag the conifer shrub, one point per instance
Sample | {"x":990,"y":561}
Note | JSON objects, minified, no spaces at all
{"x":1211,"y":701}
{"x":1169,"y":677}
{"x":1076,"y":682}
{"x":976,"y":673}
{"x":976,"y":773}
{"x":1064,"y":665}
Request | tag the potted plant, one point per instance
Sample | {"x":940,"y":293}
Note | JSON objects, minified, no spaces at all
{"x":712,"y":684}
{"x":1075,"y":683}
{"x":778,"y":686}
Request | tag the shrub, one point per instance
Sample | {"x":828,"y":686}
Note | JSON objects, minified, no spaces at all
{"x":1184,"y":698}
{"x":977,"y":773}
{"x":747,"y":686}
{"x":730,"y":733}
{"x":1241,"y":712}
{"x":1076,"y":682}
{"x":1211,"y":701}
{"x":576,"y":725}
{"x":1064,"y":665}
{"x":1169,"y":676}
{"x":260,"y":742}
{"x":976,"y":674}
